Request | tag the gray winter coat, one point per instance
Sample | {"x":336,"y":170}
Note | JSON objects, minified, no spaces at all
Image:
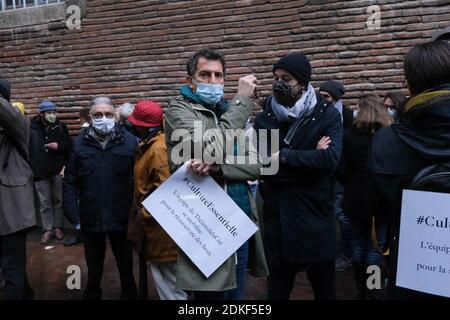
{"x":16,"y":179}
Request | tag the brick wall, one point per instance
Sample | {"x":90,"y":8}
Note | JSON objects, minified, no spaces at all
{"x":131,"y":50}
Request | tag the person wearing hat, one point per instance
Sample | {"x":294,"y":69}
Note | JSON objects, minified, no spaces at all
{"x":299,"y":227}
{"x":98,"y":194}
{"x":332,"y":91}
{"x":50,"y":145}
{"x":19,"y":106}
{"x":151,"y":169}
{"x":17,"y":211}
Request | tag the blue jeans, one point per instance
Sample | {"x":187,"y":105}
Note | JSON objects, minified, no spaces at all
{"x":363,"y":249}
{"x":241,"y":274}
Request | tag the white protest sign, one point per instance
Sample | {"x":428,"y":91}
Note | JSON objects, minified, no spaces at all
{"x":424,"y":247}
{"x":201,"y":218}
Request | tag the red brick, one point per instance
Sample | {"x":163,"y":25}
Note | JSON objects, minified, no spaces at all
{"x":133,"y":49}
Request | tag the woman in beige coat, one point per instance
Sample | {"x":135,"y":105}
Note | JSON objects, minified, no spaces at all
{"x":16,"y":197}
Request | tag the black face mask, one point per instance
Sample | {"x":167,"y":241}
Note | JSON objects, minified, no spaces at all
{"x":147,"y":134}
{"x":283,"y":93}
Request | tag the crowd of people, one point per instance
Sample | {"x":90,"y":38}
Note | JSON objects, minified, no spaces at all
{"x":336,"y":163}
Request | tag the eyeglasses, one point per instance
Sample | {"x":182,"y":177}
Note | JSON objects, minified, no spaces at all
{"x":391,"y":106}
{"x":100,"y":115}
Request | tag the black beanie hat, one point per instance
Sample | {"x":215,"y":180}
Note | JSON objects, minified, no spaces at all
{"x":5,"y":89}
{"x":334,"y":88}
{"x":296,"y":64}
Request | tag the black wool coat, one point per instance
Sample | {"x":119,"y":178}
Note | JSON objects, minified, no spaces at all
{"x":299,"y":224}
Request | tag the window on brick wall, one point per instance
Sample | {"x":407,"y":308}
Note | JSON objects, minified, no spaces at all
{"x":8,"y":5}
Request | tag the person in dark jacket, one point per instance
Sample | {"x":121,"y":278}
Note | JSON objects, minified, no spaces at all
{"x":17,"y":212}
{"x":50,"y":145}
{"x":332,"y":91}
{"x":420,"y":138}
{"x":299,"y":228}
{"x":98,"y":193}
{"x":394,"y":102}
{"x":352,"y":173}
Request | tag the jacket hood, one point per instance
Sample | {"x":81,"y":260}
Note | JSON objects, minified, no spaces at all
{"x":425,"y":126}
{"x":147,"y":143}
{"x":5,"y":89}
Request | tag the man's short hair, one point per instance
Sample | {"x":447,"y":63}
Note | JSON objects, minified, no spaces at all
{"x":208,"y":54}
{"x":101,"y":100}
{"x":427,"y":65}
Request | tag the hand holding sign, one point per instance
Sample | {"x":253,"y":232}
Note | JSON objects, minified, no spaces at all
{"x":201,"y":168}
{"x":200,"y":217}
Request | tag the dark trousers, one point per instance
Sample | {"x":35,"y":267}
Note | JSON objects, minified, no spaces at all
{"x":345,"y":244}
{"x":95,"y":249}
{"x":320,"y":275}
{"x":13,"y":256}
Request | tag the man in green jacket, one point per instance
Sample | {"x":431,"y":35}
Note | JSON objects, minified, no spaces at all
{"x":200,"y":107}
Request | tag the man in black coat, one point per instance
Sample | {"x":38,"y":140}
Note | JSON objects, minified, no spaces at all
{"x":50,"y":145}
{"x":98,"y":193}
{"x":332,"y":91}
{"x":299,"y":228}
{"x":419,"y":139}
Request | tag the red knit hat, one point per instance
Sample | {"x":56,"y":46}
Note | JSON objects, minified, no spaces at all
{"x":147,"y":114}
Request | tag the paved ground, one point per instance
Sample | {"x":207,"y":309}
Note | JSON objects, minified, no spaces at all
{"x":47,"y":273}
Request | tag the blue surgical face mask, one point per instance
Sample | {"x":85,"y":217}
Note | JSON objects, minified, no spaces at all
{"x":210,"y":93}
{"x":103,"y":125}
